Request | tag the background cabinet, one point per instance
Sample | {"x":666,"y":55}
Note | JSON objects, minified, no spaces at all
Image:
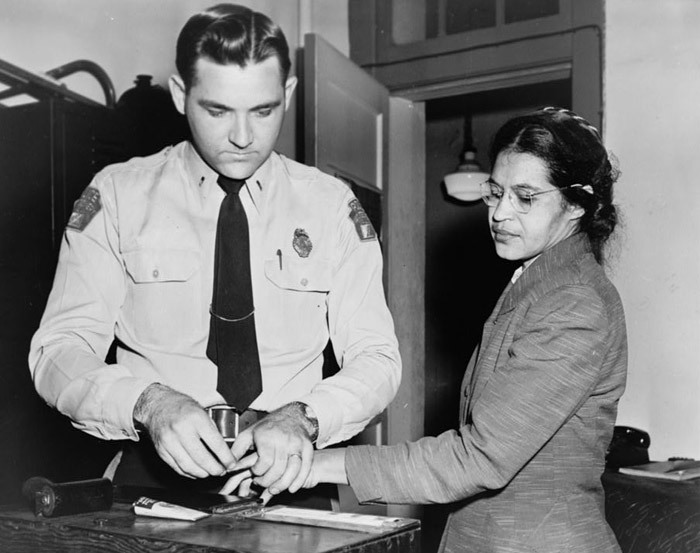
{"x":49,"y":152}
{"x":47,"y":157}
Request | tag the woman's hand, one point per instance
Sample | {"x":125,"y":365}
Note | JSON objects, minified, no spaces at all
{"x":328,"y":467}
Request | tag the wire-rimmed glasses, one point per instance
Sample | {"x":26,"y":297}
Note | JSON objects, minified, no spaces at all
{"x":519,"y":198}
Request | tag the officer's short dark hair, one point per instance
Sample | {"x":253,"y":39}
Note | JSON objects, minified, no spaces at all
{"x":230,"y":34}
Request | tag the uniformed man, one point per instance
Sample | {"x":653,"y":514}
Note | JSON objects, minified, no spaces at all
{"x":137,"y":264}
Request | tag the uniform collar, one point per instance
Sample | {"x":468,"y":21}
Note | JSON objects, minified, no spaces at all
{"x":260,"y":182}
{"x":199,"y":174}
{"x":202,"y":176}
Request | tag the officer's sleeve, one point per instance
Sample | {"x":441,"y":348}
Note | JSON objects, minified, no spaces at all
{"x":67,"y":352}
{"x":362,"y":333}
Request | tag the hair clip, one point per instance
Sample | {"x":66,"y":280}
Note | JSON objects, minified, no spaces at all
{"x":580,"y":120}
{"x":585,"y":187}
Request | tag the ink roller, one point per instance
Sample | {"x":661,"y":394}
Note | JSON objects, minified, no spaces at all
{"x":49,"y":499}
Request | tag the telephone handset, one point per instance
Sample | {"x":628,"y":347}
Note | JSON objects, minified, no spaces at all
{"x":629,"y":446}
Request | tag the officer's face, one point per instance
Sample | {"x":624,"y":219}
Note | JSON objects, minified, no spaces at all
{"x":235,"y":113}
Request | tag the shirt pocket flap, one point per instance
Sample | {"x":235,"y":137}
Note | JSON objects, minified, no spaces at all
{"x":161,"y":265}
{"x":304,"y":276}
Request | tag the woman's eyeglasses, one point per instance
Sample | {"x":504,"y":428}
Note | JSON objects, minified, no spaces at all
{"x":519,"y":198}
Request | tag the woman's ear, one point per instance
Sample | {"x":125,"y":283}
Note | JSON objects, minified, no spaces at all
{"x":576,"y":211}
{"x":178,"y":92}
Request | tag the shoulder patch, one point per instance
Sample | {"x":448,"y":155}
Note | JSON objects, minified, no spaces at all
{"x":363,"y":226}
{"x":84,"y":209}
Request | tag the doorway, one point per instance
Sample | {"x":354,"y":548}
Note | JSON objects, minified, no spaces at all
{"x":463,"y":275}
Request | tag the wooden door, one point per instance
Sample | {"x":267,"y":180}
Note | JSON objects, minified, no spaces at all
{"x":345,"y":117}
{"x":348,"y":132}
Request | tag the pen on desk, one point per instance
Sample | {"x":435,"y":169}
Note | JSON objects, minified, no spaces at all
{"x":279,"y":254}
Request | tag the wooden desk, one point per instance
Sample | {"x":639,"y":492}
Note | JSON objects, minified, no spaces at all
{"x":119,"y":531}
{"x":653,"y":516}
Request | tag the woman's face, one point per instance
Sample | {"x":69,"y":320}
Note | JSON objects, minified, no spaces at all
{"x":522,"y":236}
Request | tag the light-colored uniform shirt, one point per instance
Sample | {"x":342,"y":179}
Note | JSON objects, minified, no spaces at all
{"x":137,"y":264}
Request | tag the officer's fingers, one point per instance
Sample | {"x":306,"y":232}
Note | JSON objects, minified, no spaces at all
{"x":216,"y":444}
{"x":245,"y":463}
{"x":179,"y":459}
{"x":177,"y":439}
{"x":290,"y":474}
{"x":307,"y":458}
{"x":235,"y":481}
{"x":271,"y":475}
{"x":168,"y":459}
{"x":196,"y":460}
{"x":186,"y":446}
{"x":167,"y":445}
{"x":268,"y":453}
{"x":273,"y":445}
{"x":271,"y":465}
{"x":287,"y":460}
{"x":203,"y":459}
{"x":241,"y":445}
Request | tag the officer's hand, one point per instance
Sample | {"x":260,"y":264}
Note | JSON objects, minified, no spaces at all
{"x":284,"y":451}
{"x":242,"y":480}
{"x":182,"y":433}
{"x":328,"y":466}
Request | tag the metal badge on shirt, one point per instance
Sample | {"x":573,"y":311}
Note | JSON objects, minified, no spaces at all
{"x":84,"y":209}
{"x":302,"y":243}
{"x":363,"y":225}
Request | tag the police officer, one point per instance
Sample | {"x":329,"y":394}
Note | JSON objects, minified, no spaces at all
{"x":137,"y":264}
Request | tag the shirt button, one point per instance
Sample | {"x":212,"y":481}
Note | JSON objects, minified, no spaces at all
{"x":304,"y":282}
{"x":155,"y":273}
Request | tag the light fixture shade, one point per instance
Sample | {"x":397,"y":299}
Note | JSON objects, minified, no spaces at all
{"x":465,"y":185}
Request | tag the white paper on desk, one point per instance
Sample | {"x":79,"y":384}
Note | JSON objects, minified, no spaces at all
{"x":330,"y":519}
{"x":148,"y":507}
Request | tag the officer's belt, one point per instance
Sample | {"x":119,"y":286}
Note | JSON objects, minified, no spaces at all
{"x":230,"y":423}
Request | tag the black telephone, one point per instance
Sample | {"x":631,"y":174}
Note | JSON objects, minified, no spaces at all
{"x":629,"y":446}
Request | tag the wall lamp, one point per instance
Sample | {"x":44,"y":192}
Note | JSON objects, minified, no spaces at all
{"x":465,"y":183}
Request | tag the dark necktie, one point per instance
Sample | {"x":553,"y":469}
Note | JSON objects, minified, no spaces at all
{"x":232,"y":342}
